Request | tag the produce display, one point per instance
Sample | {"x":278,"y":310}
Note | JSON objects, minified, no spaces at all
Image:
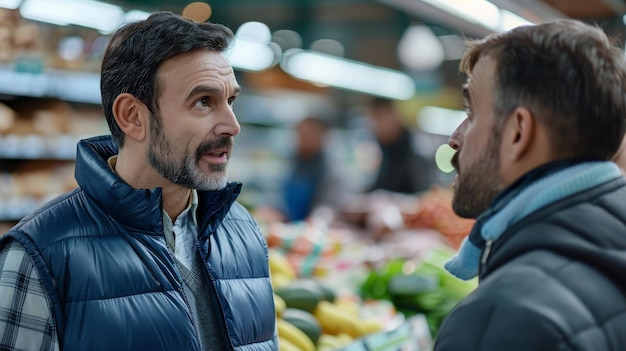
{"x":418,"y":286}
{"x":336,"y":288}
{"x":311,"y":316}
{"x":434,"y":211}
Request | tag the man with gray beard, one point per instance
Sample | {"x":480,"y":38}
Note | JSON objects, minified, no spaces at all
{"x":151,"y":251}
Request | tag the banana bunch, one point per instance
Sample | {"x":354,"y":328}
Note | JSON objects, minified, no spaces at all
{"x":282,"y":271}
{"x":338,"y":319}
{"x":330,"y":326}
{"x":329,"y":342}
{"x":332,"y":322}
{"x":280,"y":305}
{"x":291,"y":338}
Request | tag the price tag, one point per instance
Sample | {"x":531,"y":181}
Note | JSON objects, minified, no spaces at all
{"x":412,"y":335}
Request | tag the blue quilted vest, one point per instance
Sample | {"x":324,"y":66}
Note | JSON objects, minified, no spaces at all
{"x":101,"y":254}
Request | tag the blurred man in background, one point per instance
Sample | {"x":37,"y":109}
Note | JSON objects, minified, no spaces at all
{"x":401,"y":169}
{"x":312,"y":181}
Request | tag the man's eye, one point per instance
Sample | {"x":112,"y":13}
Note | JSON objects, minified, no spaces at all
{"x":231,"y":100}
{"x":205,"y":101}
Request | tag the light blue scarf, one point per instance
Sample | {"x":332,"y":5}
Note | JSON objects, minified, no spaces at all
{"x":538,"y":194}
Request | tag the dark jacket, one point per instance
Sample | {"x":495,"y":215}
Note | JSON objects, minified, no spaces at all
{"x":102,"y":257}
{"x":553,"y":281}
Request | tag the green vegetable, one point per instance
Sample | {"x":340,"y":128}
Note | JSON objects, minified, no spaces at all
{"x":304,"y":294}
{"x":304,"y":321}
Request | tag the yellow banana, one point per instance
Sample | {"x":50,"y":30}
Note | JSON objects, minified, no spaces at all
{"x":279,"y":264}
{"x":296,"y":336}
{"x":371,"y":326}
{"x":286,"y":345}
{"x":350,"y":306}
{"x":334,"y":320}
{"x":345,"y":339}
{"x":328,"y":342}
{"x":279,"y":305}
{"x":279,"y":280}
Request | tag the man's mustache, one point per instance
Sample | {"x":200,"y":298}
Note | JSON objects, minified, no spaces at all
{"x":210,"y":145}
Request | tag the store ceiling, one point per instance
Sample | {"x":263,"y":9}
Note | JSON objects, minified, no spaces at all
{"x":371,"y":29}
{"x":368,"y":29}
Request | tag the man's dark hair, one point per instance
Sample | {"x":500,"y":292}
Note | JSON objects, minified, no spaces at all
{"x":136,"y":50}
{"x":569,"y":75}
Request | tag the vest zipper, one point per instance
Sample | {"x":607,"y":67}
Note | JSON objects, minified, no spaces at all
{"x":178,"y":279}
{"x":189,"y":307}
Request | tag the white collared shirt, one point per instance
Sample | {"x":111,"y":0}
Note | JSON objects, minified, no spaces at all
{"x":180,"y":235}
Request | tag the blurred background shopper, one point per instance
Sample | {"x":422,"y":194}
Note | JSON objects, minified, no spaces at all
{"x":402,"y":169}
{"x":312,"y":180}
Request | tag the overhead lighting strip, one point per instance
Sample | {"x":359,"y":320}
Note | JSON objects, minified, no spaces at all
{"x":473,"y":17}
{"x":347,"y":74}
{"x":10,"y":4}
{"x":101,"y":16}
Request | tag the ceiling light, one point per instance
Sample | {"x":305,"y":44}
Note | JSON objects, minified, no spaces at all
{"x":253,"y":50}
{"x":478,"y":11}
{"x":509,"y":20}
{"x":10,"y":4}
{"x":533,"y":11}
{"x":347,"y":74}
{"x":472,"y":17}
{"x":328,"y":46}
{"x":287,"y":39}
{"x":87,"y":13}
{"x":256,"y":32}
{"x":419,"y":49}
{"x":135,"y":15}
{"x":250,"y":56}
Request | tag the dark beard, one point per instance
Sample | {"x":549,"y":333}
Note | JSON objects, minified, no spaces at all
{"x":479,"y":183}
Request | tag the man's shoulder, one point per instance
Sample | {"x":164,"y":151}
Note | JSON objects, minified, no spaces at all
{"x":537,"y":280}
{"x":503,"y":311}
{"x":67,"y":201}
{"x":64,"y":215}
{"x":238,"y":211}
{"x":540,"y":296}
{"x":240,"y":217}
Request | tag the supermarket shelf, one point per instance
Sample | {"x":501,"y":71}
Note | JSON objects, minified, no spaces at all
{"x":81,"y":87}
{"x":35,"y":147}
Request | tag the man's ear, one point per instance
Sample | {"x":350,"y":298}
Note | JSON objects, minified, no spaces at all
{"x":131,"y":115}
{"x":519,"y":133}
